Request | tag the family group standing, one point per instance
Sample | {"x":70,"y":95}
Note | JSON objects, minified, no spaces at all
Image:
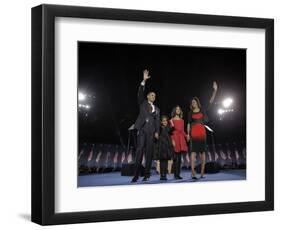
{"x":164,"y":139}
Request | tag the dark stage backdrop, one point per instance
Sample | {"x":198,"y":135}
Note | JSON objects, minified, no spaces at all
{"x":110,"y":74}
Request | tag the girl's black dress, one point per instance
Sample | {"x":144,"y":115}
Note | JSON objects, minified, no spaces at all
{"x":164,"y":149}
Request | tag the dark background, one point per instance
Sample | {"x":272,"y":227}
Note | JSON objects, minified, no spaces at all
{"x":111,"y":73}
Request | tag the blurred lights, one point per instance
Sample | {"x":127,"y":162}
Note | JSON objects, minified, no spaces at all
{"x":84,"y":106}
{"x":227,"y":102}
{"x":85,"y":102}
{"x":81,"y":96}
{"x":222,"y":111}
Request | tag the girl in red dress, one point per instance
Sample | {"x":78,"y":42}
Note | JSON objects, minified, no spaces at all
{"x":179,"y":139}
{"x":196,"y":132}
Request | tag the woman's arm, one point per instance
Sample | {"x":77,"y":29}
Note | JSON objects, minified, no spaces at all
{"x":215,"y":87}
{"x":205,"y":116}
{"x":188,"y":126}
{"x":188,"y":129}
{"x":188,"y":132}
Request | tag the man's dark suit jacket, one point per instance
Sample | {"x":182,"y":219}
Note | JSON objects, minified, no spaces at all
{"x":147,"y":121}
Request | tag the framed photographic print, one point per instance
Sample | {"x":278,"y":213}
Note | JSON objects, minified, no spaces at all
{"x":142,"y":114}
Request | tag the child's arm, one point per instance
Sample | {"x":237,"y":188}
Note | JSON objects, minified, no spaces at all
{"x":171,"y":126}
{"x":157,"y":131}
{"x":172,"y":123}
{"x":170,"y":129}
{"x":173,"y":142}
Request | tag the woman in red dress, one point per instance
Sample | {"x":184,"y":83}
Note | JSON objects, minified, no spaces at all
{"x":179,"y":139}
{"x":196,"y":132}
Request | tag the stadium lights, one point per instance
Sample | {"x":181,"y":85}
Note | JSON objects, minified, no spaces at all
{"x":220,"y":111}
{"x":84,"y":106}
{"x":81,"y":97}
{"x":227,"y":102}
{"x":85,"y":102}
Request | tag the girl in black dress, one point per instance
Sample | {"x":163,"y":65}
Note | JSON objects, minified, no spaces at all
{"x":164,"y":148}
{"x":196,"y":132}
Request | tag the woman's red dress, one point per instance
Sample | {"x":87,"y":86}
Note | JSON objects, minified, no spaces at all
{"x":198,"y":132}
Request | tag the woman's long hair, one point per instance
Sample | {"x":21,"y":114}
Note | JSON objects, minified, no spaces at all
{"x":198,"y":103}
{"x":173,"y":113}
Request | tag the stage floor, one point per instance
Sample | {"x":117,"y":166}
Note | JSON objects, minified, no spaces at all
{"x":115,"y":178}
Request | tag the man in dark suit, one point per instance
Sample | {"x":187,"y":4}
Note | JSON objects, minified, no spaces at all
{"x":148,"y":125}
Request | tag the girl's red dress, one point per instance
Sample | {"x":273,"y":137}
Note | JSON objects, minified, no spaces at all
{"x":179,"y":136}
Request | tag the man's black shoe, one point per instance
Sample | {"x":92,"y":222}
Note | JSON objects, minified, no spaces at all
{"x":135,"y":179}
{"x":145,"y":179}
{"x":178,"y":177}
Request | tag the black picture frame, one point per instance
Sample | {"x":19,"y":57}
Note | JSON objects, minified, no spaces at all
{"x":43,"y":114}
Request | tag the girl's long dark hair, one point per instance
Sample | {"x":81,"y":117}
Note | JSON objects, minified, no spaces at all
{"x":173,"y":113}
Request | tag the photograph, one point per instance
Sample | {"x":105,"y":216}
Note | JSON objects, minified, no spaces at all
{"x":160,"y":114}
{"x":175,"y":109}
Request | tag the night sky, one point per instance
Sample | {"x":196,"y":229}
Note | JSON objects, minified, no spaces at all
{"x":110,"y":74}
